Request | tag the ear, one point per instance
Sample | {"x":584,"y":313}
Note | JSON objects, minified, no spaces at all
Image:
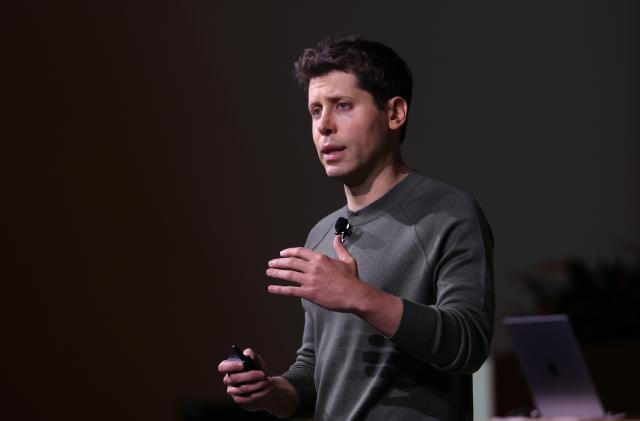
{"x":397,"y":110}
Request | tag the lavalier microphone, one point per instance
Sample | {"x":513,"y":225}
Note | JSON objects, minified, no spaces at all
{"x":343,"y":228}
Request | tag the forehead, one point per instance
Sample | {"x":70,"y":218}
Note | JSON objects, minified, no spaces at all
{"x":334,"y":84}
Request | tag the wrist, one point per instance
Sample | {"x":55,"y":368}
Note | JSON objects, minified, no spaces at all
{"x":282,"y":398}
{"x":381,"y":310}
{"x":366,"y":302}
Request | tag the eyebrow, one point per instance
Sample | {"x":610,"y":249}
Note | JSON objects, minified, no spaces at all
{"x":332,"y":99}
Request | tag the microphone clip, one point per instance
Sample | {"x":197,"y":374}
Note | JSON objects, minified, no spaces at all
{"x":343,"y":228}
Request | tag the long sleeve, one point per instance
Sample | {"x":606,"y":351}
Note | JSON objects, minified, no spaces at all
{"x":454,"y":334}
{"x":301,"y":372}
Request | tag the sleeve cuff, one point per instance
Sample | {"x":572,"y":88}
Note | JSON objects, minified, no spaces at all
{"x":418,"y":330}
{"x":306,"y":392}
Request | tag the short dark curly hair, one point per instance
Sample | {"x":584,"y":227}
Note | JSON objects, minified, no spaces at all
{"x":379,"y":70}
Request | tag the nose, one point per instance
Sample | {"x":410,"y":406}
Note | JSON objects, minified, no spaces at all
{"x":325,"y":124}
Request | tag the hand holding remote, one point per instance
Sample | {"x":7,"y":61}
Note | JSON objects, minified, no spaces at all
{"x":248,"y":362}
{"x":247,"y":383}
{"x":250,"y":387}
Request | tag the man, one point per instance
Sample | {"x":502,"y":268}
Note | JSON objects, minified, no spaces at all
{"x":399,"y":315}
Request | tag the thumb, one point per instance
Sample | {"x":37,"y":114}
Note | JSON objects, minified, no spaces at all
{"x":257,"y":358}
{"x":342,"y":253}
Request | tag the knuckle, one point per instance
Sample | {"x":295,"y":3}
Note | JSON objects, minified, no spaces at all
{"x":312,"y":296}
{"x":314,"y":273}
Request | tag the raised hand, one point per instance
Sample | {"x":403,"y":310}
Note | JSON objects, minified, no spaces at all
{"x":330,"y":283}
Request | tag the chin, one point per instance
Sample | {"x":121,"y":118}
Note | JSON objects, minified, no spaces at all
{"x":346,"y":177}
{"x":337,"y":173}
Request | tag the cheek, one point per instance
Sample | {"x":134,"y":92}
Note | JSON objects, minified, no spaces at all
{"x":361,"y":124}
{"x":365,"y":133}
{"x":376,"y":130}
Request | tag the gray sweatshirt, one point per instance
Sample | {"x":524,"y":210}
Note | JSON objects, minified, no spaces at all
{"x":429,"y":244}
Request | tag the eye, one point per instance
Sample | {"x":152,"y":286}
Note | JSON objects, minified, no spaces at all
{"x":315,"y":112}
{"x":342,"y":106}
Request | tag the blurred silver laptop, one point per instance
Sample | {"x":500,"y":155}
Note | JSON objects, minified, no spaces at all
{"x":554,"y":367}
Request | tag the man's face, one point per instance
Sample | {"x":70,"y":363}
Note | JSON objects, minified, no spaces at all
{"x":349,"y":131}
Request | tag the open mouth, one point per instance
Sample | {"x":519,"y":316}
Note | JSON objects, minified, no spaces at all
{"x":332,"y":150}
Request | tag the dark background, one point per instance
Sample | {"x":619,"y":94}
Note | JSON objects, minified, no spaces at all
{"x":157,"y":154}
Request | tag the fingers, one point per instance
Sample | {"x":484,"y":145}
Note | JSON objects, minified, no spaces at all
{"x":249,"y":392}
{"x":230,"y":366}
{"x":244,"y":378}
{"x":299,"y":252}
{"x":257,"y":358}
{"x":286,"y":275}
{"x":248,"y":388}
{"x":286,"y":291}
{"x":251,"y":353}
{"x":292,"y":263}
{"x":253,"y":401}
{"x":291,"y":266}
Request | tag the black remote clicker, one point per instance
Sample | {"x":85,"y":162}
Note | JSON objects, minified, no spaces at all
{"x":249,"y":364}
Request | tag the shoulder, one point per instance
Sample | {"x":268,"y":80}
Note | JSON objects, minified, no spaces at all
{"x":323,"y":227}
{"x":429,"y":196}
{"x":440,"y":209}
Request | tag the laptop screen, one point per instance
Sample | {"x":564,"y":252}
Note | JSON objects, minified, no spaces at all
{"x":553,"y":366}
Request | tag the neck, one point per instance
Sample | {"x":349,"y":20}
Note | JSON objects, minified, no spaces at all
{"x":375,"y":185}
